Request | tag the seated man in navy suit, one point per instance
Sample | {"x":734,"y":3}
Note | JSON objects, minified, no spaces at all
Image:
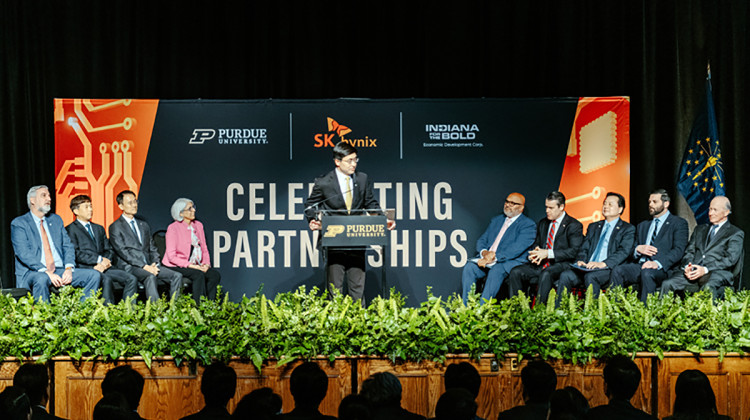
{"x":661,"y":244}
{"x":44,"y":254}
{"x":502,"y":247}
{"x":558,"y":240}
{"x":608,"y":243}
{"x":94,"y":251}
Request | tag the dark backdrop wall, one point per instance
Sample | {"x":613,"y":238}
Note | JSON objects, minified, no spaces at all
{"x":654,"y":51}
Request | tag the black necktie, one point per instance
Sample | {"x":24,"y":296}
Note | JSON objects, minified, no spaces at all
{"x":711,"y":234}
{"x":91,"y":232}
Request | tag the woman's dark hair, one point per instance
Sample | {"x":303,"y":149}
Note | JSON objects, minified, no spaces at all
{"x":693,"y":394}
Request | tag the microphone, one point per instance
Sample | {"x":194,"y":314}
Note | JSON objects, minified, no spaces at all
{"x":312,"y":206}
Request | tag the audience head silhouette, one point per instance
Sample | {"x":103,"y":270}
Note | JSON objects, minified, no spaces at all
{"x":567,"y":404}
{"x":693,"y":394}
{"x":34,"y":380}
{"x":218,"y":384}
{"x":113,"y":406}
{"x":456,"y":404}
{"x":126,"y":381}
{"x":308,"y":384}
{"x":463,"y":375}
{"x":539,"y":381}
{"x":382,"y":389}
{"x":261,"y":403}
{"x":621,"y":377}
{"x":354,"y":407}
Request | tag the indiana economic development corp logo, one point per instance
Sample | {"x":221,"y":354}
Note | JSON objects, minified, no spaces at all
{"x":452,"y":135}
{"x":336,"y":133}
{"x":236,"y":136}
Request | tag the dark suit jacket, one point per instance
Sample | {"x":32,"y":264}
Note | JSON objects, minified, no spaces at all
{"x":532,"y":411}
{"x":88,"y":250}
{"x":327,"y":194}
{"x":617,"y":410}
{"x":568,"y":238}
{"x":27,"y":245}
{"x":511,"y":251}
{"x":125,"y":244}
{"x":621,"y":243}
{"x":38,"y":413}
{"x":721,"y":254}
{"x":303,"y":414}
{"x":671,"y":240}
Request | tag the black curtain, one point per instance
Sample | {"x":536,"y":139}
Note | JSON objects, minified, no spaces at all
{"x":656,"y":52}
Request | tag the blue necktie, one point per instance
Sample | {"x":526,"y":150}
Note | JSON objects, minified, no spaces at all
{"x":595,"y":257}
{"x":91,"y":232}
{"x":135,"y":230}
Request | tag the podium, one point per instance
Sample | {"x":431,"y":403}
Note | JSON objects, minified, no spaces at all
{"x":365,"y":229}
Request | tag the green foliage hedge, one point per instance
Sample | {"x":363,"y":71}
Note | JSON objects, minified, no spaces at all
{"x":306,"y":324}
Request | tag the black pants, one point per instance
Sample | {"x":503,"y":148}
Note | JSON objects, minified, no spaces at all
{"x":349,"y":264}
{"x":204,"y":284}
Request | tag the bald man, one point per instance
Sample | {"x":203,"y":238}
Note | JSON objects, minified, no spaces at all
{"x":712,"y":254}
{"x":502,"y":246}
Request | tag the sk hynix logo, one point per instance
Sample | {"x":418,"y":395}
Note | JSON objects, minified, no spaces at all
{"x":202,"y":134}
{"x":338,"y":130}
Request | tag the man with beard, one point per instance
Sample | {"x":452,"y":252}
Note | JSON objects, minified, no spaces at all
{"x":44,"y":254}
{"x":661,"y":243}
{"x":502,"y":247}
{"x":715,"y":249}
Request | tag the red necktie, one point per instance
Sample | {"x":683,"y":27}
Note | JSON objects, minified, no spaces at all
{"x":48,"y":258}
{"x":550,"y":240}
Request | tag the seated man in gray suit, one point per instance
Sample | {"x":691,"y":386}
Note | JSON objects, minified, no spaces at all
{"x":136,"y":252}
{"x":712,"y":253}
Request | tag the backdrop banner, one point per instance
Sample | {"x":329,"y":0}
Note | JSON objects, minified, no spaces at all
{"x":444,"y":166}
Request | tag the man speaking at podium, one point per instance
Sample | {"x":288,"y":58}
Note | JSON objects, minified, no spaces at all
{"x":343,"y":191}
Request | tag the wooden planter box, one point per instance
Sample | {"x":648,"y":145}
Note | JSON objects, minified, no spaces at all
{"x":501,"y":389}
{"x":730,"y":380}
{"x":171,"y":392}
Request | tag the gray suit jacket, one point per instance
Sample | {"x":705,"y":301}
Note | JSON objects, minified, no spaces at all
{"x":722,"y":253}
{"x":130,"y":252}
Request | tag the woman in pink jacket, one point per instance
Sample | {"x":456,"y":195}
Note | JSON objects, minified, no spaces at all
{"x":187,"y":250}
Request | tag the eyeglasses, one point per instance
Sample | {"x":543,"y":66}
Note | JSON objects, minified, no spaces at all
{"x":189,"y":208}
{"x":511,"y":203}
{"x":350,"y":161}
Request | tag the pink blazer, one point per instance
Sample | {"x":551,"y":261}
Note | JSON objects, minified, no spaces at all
{"x":178,"y":240}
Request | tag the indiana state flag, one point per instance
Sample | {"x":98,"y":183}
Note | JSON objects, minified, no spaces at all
{"x":702,"y":173}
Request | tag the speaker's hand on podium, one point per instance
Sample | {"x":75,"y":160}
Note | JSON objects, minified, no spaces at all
{"x":315,"y":224}
{"x":391,"y":224}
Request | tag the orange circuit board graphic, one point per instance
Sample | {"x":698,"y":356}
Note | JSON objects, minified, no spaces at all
{"x":100,"y":150}
{"x":598,"y":157}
